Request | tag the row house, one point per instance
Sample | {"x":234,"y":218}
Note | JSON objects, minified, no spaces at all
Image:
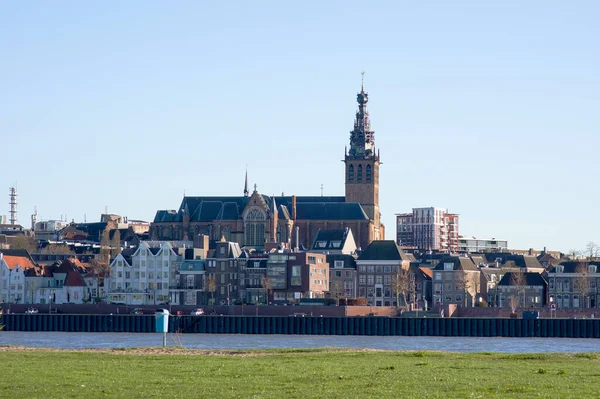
{"x":190,"y":286}
{"x":225,"y":273}
{"x":574,"y":284}
{"x":306,"y":275}
{"x":13,"y":270}
{"x":526,"y":289}
{"x":343,"y":277}
{"x":144,"y":275}
{"x":377,"y":267}
{"x":25,"y":282}
{"x":494,"y":266}
{"x":456,"y":280}
{"x":64,"y":282}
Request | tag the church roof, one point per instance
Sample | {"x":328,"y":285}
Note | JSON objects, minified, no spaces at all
{"x":206,"y":209}
{"x":330,"y":211}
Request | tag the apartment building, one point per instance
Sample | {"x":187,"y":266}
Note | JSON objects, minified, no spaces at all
{"x":428,"y":229}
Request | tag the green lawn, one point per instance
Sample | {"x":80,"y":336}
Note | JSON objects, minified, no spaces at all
{"x":143,"y":373}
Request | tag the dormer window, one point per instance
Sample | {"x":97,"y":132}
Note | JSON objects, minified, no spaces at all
{"x":560,"y":269}
{"x":592,"y":269}
{"x":448,"y":266}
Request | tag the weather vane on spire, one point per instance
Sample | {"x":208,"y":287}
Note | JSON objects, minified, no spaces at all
{"x":362,"y":81}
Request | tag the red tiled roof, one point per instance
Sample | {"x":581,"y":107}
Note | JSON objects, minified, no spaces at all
{"x":74,"y":279}
{"x":21,"y":261}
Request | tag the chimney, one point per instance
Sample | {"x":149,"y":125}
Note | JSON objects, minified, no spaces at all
{"x":201,"y":241}
{"x":293,"y":207}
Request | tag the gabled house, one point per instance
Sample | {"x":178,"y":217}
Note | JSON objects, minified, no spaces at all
{"x":456,"y":280}
{"x":377,"y":267}
{"x":575,"y":284}
{"x":144,"y":275}
{"x":13,"y":270}
{"x":528,"y":288}
{"x":338,"y":241}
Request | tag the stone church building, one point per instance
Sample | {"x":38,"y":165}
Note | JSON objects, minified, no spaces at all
{"x":255,"y":219}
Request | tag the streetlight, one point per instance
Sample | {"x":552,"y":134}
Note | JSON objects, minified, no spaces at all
{"x":228,"y":289}
{"x":552,"y":307}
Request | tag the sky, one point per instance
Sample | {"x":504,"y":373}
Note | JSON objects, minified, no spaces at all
{"x":489,"y":109}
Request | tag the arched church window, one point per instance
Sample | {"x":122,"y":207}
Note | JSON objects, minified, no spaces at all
{"x":255,"y":214}
{"x":351,"y":173}
{"x":254,"y":226}
{"x":368,"y":173}
{"x":359,"y":177}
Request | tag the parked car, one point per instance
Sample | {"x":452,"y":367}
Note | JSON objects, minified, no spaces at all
{"x":31,"y":311}
{"x":197,"y":312}
{"x":137,"y":311}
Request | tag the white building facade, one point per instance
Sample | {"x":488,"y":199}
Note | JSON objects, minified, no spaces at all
{"x":146,"y":277}
{"x":474,"y":244}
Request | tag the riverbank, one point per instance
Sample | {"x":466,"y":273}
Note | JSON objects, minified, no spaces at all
{"x":294,"y":373}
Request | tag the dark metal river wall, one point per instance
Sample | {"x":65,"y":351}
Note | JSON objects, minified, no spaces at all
{"x":450,"y":327}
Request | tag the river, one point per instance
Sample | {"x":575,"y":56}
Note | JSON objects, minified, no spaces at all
{"x":64,"y":340}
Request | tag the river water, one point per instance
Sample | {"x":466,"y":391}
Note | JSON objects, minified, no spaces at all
{"x":66,"y":340}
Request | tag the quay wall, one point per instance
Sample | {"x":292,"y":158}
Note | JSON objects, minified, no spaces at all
{"x":300,"y":325}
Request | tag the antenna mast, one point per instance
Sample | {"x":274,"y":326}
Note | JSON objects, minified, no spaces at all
{"x":13,"y":205}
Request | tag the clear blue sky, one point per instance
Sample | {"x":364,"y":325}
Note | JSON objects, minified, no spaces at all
{"x":489,"y":109}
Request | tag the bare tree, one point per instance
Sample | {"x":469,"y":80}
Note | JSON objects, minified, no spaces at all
{"x":23,"y":242}
{"x":105,"y":246}
{"x":267,"y":286}
{"x":115,"y":244}
{"x":591,"y":250}
{"x":518,"y":281}
{"x":101,"y":271}
{"x":57,"y":249}
{"x":211,"y":286}
{"x":336,"y":291}
{"x":582,"y":283}
{"x":401,"y":285}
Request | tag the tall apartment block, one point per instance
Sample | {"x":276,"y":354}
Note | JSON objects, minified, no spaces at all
{"x":428,"y":229}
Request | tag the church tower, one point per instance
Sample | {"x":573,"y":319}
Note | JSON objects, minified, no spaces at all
{"x":362,"y":165}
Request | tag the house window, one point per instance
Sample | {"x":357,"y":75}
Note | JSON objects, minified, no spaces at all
{"x":368,"y":173}
{"x":359,"y":177}
{"x":370,"y":279}
{"x":351,"y":173}
{"x":349,"y":288}
{"x":189,"y":281}
{"x":362,"y":279}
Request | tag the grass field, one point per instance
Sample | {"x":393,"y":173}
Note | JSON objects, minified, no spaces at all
{"x":326,"y":373}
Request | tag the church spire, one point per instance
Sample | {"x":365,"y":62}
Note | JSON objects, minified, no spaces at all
{"x":246,"y":192}
{"x":362,"y":138}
